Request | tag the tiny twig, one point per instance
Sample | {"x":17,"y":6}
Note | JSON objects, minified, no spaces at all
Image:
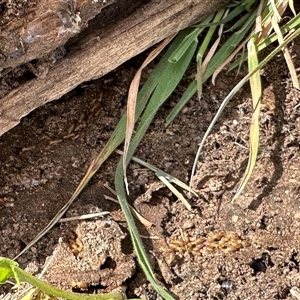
{"x":83,"y":217}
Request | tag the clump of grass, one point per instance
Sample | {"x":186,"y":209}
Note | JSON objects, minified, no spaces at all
{"x":266,"y":31}
{"x":260,"y":24}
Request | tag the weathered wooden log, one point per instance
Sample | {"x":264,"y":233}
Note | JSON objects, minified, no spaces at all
{"x":109,"y":41}
{"x":42,"y":27}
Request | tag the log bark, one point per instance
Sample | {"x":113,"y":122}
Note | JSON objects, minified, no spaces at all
{"x":42,"y":27}
{"x":118,"y":33}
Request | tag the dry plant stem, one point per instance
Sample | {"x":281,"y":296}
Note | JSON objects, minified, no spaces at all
{"x":99,"y":55}
{"x":84,"y":217}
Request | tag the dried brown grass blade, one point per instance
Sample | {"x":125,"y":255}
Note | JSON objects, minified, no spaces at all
{"x":131,"y":102}
{"x":286,"y":55}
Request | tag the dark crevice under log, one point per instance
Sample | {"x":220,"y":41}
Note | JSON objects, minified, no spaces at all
{"x":118,"y":33}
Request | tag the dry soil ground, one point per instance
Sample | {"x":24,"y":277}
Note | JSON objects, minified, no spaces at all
{"x":44,"y":158}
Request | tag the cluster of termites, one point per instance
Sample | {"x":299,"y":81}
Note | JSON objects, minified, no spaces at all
{"x":187,"y":244}
{"x":219,"y":242}
{"x":225,"y":242}
{"x":78,"y":285}
{"x":76,"y":246}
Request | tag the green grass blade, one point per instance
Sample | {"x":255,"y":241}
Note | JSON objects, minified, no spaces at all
{"x":136,"y":240}
{"x":201,"y":65}
{"x":233,"y":13}
{"x":215,"y":62}
{"x":249,"y":4}
{"x":168,"y":81}
{"x":204,"y":45}
{"x":187,"y":41}
{"x":239,"y":22}
{"x":187,"y":95}
{"x":132,"y":98}
{"x":144,"y":95}
{"x":229,"y":46}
